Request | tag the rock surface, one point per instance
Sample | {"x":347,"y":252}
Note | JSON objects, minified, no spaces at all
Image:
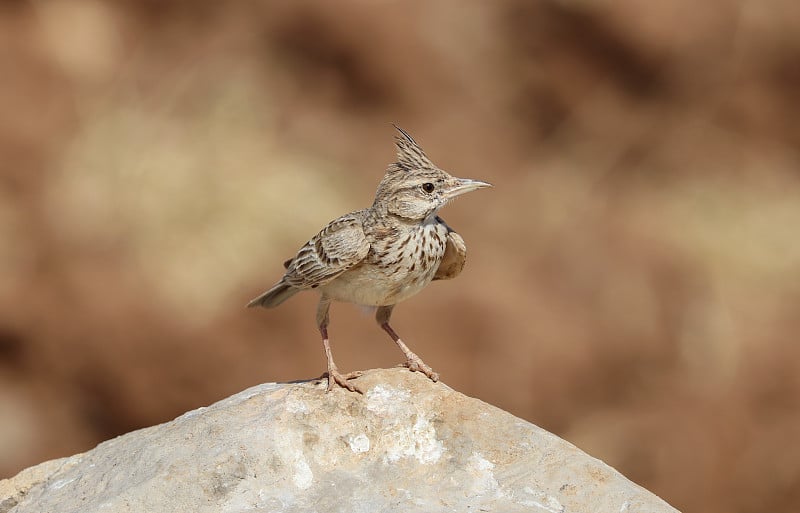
{"x":406,"y":445}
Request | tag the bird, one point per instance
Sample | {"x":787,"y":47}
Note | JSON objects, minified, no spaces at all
{"x":381,"y":255}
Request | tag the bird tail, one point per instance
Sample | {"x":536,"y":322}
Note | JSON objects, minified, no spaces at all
{"x":279,"y":293}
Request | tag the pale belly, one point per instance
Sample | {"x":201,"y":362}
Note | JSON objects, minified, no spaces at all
{"x":386,"y":281}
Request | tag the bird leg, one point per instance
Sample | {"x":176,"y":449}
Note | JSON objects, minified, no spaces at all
{"x":413,"y":362}
{"x":333,"y":374}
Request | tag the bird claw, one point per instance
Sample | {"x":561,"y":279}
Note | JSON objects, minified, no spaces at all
{"x":335,"y":378}
{"x":415,"y":364}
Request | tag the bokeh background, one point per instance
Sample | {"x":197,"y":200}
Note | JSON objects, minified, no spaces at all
{"x":633,"y":278}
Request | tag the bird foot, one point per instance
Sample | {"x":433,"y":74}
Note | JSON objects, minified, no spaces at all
{"x":415,"y":364}
{"x":335,"y":378}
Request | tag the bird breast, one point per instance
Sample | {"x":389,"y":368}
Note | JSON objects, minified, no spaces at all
{"x":401,"y":262}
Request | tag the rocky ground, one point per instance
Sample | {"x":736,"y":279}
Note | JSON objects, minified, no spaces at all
{"x":406,"y":444}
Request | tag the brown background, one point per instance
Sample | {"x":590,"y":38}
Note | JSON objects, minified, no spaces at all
{"x":632,"y":282}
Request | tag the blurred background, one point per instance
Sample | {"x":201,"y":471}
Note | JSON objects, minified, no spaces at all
{"x":632,"y":282}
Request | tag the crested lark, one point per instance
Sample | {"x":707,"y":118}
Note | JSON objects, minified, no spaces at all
{"x":384,"y":254}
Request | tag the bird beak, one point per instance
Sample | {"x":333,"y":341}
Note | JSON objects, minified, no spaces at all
{"x":466,"y":185}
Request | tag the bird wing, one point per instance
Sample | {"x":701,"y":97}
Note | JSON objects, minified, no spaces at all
{"x":338,"y":247}
{"x":455,"y":256}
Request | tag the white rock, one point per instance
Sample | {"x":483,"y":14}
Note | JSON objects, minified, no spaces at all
{"x":406,"y":445}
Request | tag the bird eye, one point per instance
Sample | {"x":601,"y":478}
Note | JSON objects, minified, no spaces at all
{"x":427,"y":187}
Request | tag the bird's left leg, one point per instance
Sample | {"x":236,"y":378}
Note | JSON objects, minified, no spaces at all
{"x":413,"y":362}
{"x":334,"y":376}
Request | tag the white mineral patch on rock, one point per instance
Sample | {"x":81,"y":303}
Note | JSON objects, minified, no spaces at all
{"x":408,"y":430}
{"x":303,"y":477}
{"x":387,"y":400}
{"x":543,"y":501}
{"x":359,"y":443}
{"x":483,"y":480}
{"x":294,"y":405}
{"x":406,"y":445}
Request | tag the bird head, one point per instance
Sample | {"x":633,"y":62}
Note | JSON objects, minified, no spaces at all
{"x":414,"y":188}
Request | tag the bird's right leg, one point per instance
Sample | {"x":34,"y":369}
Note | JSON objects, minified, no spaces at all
{"x":413,"y":362}
{"x":334,"y":377}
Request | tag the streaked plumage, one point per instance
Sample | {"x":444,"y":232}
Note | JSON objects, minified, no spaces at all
{"x":384,"y":254}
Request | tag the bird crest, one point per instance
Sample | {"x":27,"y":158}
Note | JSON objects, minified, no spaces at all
{"x":409,"y":154}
